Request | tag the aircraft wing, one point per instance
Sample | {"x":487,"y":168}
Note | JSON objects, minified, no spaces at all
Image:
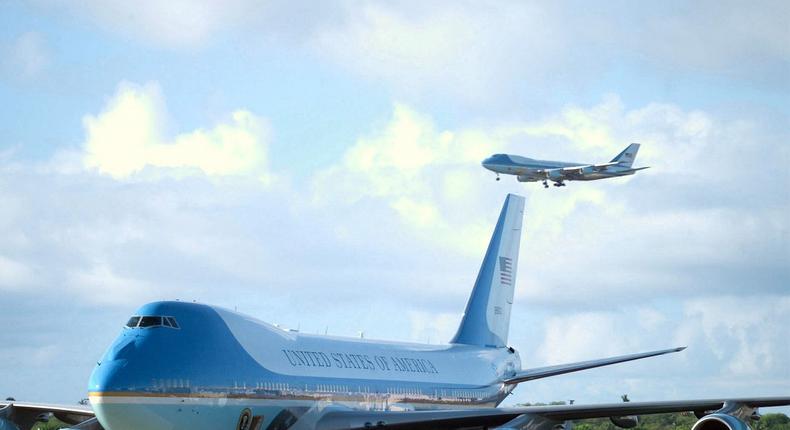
{"x":25,"y":415}
{"x":543,"y":372}
{"x":596,"y":167}
{"x":575,"y":171}
{"x":511,"y":418}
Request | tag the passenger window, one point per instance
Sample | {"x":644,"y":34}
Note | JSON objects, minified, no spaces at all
{"x":133,"y":322}
{"x":150,"y":321}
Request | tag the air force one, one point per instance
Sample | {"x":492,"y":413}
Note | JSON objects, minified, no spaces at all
{"x":531,"y":170}
{"x":180,"y":365}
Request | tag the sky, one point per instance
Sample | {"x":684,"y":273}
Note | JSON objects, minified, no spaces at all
{"x":317,"y":165}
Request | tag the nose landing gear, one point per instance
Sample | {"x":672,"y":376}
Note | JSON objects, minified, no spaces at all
{"x":497,"y":176}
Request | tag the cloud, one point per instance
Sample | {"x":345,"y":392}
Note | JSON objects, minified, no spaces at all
{"x":476,"y":53}
{"x":102,"y":286}
{"x":661,"y":228}
{"x":430,"y":327}
{"x":28,"y":56}
{"x":460,"y":49}
{"x":749,"y":340}
{"x":717,"y":36}
{"x":397,"y":227}
{"x":414,"y":169}
{"x":176,"y":24}
{"x":14,"y":275}
{"x":127,"y":138}
{"x":730,"y":339}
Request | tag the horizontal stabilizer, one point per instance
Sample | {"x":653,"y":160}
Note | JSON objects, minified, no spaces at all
{"x":543,"y":372}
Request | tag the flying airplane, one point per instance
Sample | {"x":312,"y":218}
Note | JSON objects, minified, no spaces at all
{"x":531,"y":170}
{"x":179,"y":365}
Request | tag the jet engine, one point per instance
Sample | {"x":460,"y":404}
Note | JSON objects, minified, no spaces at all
{"x":555,"y":175}
{"x":719,"y":421}
{"x":528,"y":178}
{"x":627,"y":422}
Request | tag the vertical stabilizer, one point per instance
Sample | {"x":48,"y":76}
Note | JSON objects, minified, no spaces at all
{"x":486,"y":320}
{"x":627,"y":157}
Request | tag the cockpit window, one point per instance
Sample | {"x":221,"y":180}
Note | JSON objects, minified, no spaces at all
{"x":151,"y":321}
{"x":133,"y":321}
{"x":173,"y":322}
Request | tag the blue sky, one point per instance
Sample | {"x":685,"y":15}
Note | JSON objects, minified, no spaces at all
{"x":325,"y":160}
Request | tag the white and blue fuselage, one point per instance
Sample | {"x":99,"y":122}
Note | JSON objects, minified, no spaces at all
{"x":531,"y":170}
{"x":219,"y":363}
{"x":191,"y":366}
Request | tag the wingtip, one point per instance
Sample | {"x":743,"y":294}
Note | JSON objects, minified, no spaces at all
{"x":680,"y":348}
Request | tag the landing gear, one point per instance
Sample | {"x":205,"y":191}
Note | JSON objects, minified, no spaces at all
{"x":559,"y":184}
{"x":497,"y":176}
{"x":545,"y":184}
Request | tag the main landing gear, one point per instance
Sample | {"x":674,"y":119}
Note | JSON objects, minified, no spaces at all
{"x":545,"y":184}
{"x":558,"y":184}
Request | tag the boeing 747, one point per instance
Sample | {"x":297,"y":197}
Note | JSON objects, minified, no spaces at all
{"x":190,"y":366}
{"x":531,"y":170}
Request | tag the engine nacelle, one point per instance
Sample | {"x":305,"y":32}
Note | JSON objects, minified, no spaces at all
{"x":555,"y":175}
{"x":718,"y":421}
{"x":627,"y":422}
{"x":590,"y":169}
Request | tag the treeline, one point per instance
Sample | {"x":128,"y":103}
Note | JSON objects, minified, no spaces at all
{"x":678,"y":421}
{"x":681,"y":421}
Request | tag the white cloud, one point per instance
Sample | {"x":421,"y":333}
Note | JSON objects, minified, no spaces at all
{"x":618,"y":233}
{"x":177,"y":24}
{"x":432,"y":327}
{"x":476,"y":52}
{"x":466,"y":50}
{"x":718,"y":35}
{"x":399,"y":225}
{"x":127,"y":137}
{"x":14,"y":275}
{"x":28,"y":56}
{"x":581,"y":336}
{"x":416,"y":170}
{"x":747,"y":334}
{"x":101,"y":286}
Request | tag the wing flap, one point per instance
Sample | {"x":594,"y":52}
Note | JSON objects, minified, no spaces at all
{"x":543,"y":372}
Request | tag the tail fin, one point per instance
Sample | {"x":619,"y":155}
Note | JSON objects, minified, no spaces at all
{"x":486,"y":321}
{"x":627,"y":157}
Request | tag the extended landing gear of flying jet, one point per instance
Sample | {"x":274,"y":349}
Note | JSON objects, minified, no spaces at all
{"x":559,"y":184}
{"x":497,"y":176}
{"x":545,"y":184}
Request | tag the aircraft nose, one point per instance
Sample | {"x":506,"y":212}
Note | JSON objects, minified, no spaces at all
{"x":488,"y":163}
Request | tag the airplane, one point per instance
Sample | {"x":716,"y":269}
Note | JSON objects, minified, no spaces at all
{"x":531,"y":170}
{"x":181,"y":365}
